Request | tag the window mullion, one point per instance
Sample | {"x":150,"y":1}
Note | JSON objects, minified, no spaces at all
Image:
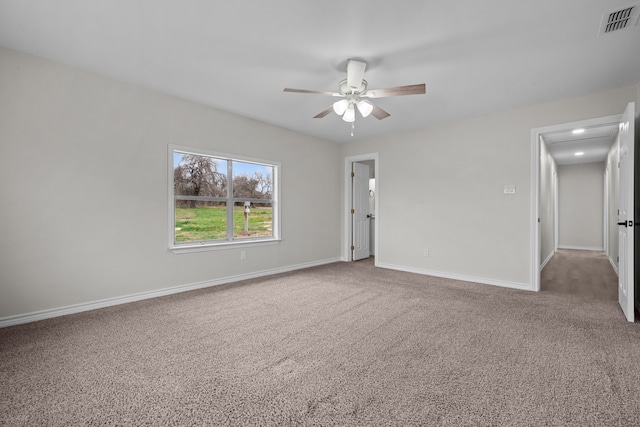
{"x":230,"y":204}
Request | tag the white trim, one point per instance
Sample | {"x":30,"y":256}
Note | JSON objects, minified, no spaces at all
{"x":582,"y":248}
{"x":473,"y":279}
{"x":605,"y":225}
{"x":556,"y":220}
{"x":186,"y":249}
{"x":348,"y":195}
{"x":534,"y":227}
{"x":546,"y":260}
{"x":93,"y":305}
{"x":613,"y":264}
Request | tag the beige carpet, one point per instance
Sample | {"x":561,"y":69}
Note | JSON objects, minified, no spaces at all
{"x":343,"y":344}
{"x":586,"y":273}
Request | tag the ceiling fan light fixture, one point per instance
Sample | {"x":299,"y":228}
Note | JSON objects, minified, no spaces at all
{"x":339,"y":107}
{"x":350,"y":114}
{"x":364,"y":107}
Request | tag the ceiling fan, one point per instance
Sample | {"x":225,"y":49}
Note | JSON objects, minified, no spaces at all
{"x":353,"y":91}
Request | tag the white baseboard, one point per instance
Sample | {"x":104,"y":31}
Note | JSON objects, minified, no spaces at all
{"x":547,"y":260}
{"x":483,"y":280}
{"x":582,"y":248}
{"x":93,"y":305}
{"x":613,"y":264}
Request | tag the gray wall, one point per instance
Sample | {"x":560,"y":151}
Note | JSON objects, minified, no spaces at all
{"x":83,"y":184}
{"x":441,"y":188}
{"x":581,"y":206}
{"x":548,"y":171}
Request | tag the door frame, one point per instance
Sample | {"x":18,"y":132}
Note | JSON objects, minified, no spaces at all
{"x":347,"y":226}
{"x":535,"y":230}
{"x":555,"y":211}
{"x":605,"y":230}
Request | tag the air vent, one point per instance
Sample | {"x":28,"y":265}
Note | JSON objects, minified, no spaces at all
{"x":620,"y":19}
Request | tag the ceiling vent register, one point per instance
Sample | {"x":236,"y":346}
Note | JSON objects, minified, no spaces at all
{"x":620,"y":19}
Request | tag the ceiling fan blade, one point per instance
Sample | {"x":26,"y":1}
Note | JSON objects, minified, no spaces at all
{"x":287,"y":89}
{"x":396,"y":91}
{"x":379,"y":113}
{"x":355,"y":73}
{"x":323,"y":113}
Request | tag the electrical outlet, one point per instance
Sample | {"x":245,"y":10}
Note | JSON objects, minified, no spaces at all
{"x":510,"y":189}
{"x":243,"y":255}
{"x":426,"y":252}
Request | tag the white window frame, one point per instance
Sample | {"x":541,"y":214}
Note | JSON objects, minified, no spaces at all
{"x":222,"y":244}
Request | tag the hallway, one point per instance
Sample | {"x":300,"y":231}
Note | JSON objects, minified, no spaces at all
{"x":584,"y":273}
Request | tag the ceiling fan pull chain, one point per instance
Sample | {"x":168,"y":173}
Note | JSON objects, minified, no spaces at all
{"x":353,"y":126}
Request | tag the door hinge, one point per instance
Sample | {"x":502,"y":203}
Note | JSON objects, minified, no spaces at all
{"x":353,"y":174}
{"x":617,"y":259}
{"x":353,"y":211}
{"x":353,"y":248}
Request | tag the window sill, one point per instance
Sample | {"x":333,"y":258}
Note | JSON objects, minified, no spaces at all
{"x":185,"y":249}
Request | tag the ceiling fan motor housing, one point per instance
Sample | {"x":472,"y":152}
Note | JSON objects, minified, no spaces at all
{"x":345,"y":89}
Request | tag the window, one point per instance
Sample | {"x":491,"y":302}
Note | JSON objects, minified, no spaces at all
{"x":219,"y":200}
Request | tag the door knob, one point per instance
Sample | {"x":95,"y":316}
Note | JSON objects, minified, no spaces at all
{"x":623,"y":223}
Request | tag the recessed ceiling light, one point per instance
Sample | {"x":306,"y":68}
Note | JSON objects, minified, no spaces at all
{"x":579,"y":153}
{"x":577,"y":131}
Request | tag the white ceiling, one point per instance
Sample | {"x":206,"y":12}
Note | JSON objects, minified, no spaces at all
{"x":476,"y":57}
{"x":594,"y":142}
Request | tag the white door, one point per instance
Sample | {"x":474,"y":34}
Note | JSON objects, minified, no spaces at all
{"x":360,"y":211}
{"x":625,"y":213}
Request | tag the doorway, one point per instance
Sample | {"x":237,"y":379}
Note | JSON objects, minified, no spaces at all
{"x":544,"y":215}
{"x":619,"y":159}
{"x":366,"y":201}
